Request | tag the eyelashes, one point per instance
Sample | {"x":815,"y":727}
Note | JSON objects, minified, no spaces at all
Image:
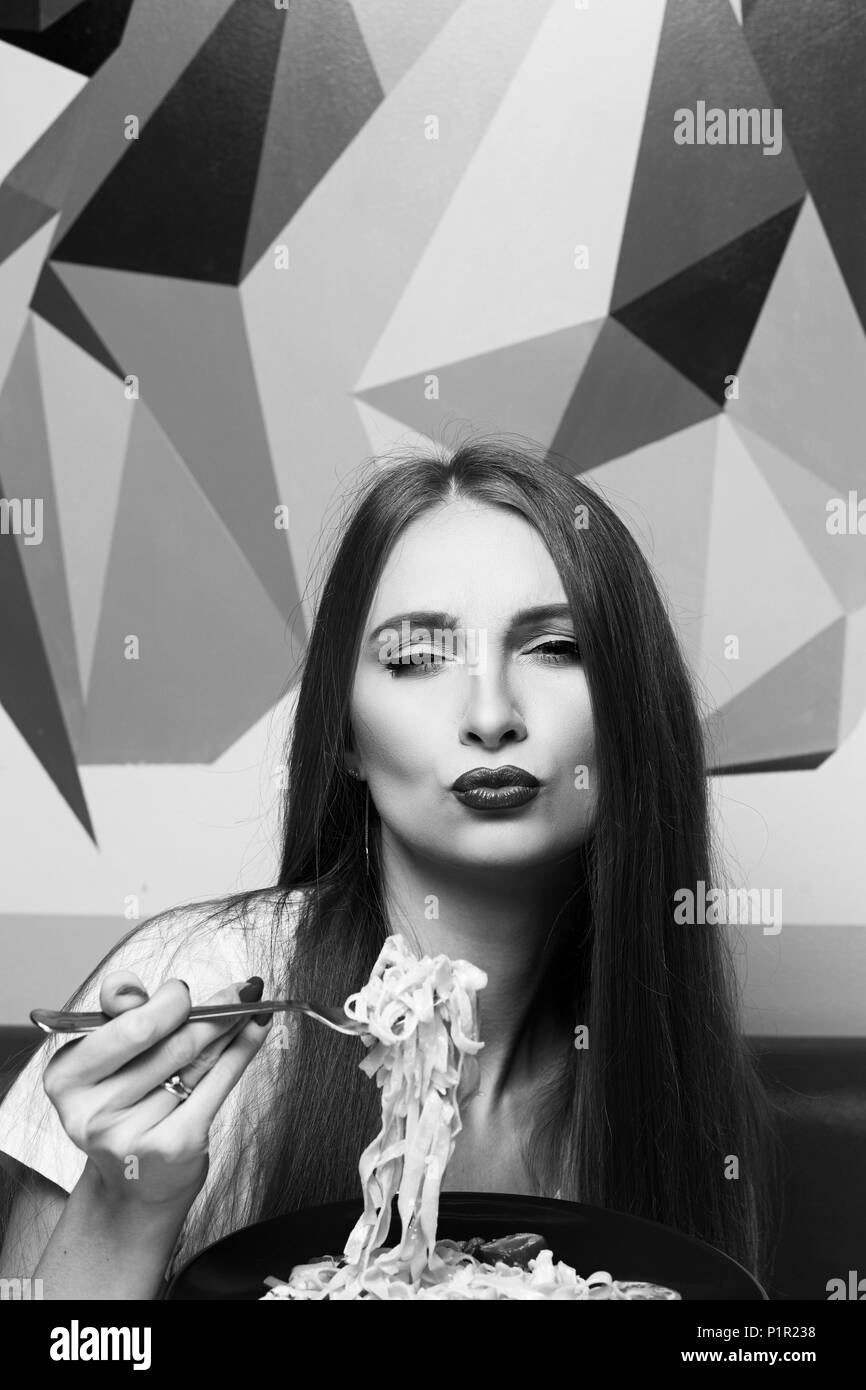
{"x":561,"y":651}
{"x":567,"y":654}
{"x":406,"y":668}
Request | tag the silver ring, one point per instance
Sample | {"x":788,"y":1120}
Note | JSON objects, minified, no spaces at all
{"x":178,"y":1087}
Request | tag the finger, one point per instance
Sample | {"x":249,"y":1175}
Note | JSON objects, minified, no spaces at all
{"x":55,"y":1045}
{"x":200,"y":1065}
{"x":173,"y":1054}
{"x":108,"y":1048}
{"x":194,"y":1117}
{"x":121,"y":990}
{"x":161,"y":1102}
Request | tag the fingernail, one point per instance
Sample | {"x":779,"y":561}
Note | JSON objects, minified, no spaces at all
{"x":252,"y":990}
{"x":262,"y":1019}
{"x":132,"y":989}
{"x":187,"y":988}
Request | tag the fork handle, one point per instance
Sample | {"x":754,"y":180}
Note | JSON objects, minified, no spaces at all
{"x":54,"y":1021}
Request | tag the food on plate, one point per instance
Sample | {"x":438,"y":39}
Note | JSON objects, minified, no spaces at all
{"x":423,"y":1043}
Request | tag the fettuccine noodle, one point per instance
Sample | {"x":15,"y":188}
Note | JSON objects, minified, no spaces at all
{"x":422,"y":1021}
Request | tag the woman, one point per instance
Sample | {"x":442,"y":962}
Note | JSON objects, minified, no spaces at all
{"x":481,"y":613}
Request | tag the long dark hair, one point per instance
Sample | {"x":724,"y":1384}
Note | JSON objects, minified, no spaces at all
{"x":647,"y":1118}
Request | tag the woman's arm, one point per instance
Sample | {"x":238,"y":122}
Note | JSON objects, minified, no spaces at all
{"x":80,"y":1244}
{"x":105,"y":1248}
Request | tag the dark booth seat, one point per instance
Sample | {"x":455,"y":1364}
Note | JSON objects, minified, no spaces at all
{"x":818,"y":1086}
{"x":819,"y":1089}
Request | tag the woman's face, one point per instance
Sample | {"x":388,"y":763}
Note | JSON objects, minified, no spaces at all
{"x":500,"y":686}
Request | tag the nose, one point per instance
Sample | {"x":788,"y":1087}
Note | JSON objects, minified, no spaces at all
{"x":490,"y":716}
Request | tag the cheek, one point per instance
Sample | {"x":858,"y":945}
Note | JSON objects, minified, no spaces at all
{"x":564,"y":722}
{"x":573,"y":745}
{"x":388,"y":731}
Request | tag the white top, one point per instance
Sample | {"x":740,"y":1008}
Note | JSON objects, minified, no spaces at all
{"x":208,"y":955}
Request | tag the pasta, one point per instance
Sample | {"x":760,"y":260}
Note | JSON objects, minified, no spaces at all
{"x":422,"y":1040}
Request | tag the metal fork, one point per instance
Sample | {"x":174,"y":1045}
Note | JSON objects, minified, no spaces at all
{"x":54,"y":1021}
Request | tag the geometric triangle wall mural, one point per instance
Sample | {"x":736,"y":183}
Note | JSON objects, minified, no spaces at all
{"x":232,"y":265}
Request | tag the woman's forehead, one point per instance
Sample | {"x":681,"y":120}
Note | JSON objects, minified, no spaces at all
{"x":462,"y":554}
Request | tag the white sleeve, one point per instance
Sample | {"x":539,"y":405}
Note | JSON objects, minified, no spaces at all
{"x":172,"y":945}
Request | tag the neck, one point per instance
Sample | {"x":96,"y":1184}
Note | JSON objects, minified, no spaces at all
{"x":499,"y":920}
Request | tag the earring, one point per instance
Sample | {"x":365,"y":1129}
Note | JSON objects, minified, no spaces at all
{"x":356,"y":774}
{"x":367,"y":829}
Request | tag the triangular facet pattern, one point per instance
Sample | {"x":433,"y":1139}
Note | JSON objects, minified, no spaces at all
{"x":20,"y":217}
{"x":681,"y":466}
{"x":689,"y":200}
{"x":76,"y":154}
{"x":28,"y":476}
{"x":503,"y":233}
{"x":753,"y":549}
{"x":169,"y":207}
{"x":522,"y":250}
{"x":771,"y":726}
{"x":395,"y":37}
{"x":363,"y":253}
{"x":27,"y":690}
{"x":825,"y":115}
{"x":808,"y":502}
{"x":53,"y":303}
{"x":315,"y":112}
{"x":207,"y":403}
{"x":702,"y":319}
{"x":87,"y":420}
{"x":595,"y":428}
{"x":164,"y":612}
{"x":525,"y":387}
{"x":75,"y":34}
{"x":18,"y":276}
{"x":801,"y":380}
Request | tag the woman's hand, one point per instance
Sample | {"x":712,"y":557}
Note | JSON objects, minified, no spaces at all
{"x":147,"y":1146}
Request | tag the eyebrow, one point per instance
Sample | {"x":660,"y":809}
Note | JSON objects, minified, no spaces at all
{"x":431,"y":619}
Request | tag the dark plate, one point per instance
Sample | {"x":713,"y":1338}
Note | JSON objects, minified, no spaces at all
{"x":588,"y":1238}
